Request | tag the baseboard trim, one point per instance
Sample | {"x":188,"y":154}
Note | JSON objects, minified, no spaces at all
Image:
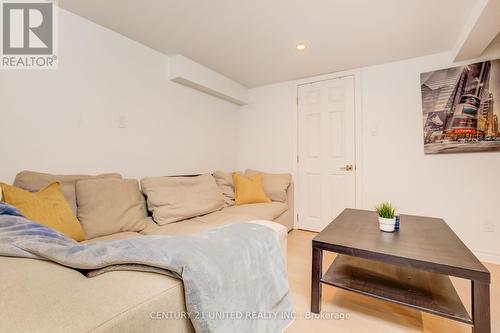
{"x":489,"y":257}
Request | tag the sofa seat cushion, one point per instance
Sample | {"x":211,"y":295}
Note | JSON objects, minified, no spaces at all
{"x":265,"y":211}
{"x":195,"y":225}
{"x":41,"y":296}
{"x":228,"y":215}
{"x":117,"y":236}
{"x":215,"y":220}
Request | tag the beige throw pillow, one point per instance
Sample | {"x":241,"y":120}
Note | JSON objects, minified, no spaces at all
{"x":35,"y":181}
{"x":225,"y":182}
{"x":109,"y":206}
{"x":275,"y":184}
{"x":173,"y":199}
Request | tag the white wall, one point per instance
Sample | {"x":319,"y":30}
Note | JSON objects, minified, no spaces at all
{"x":266,"y":128}
{"x":66,"y":120}
{"x":462,"y":188}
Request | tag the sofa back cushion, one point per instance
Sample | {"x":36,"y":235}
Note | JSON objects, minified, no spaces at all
{"x":109,"y":206}
{"x":173,"y":199}
{"x":225,"y":182}
{"x":35,"y":181}
{"x":249,"y":190}
{"x":275,"y":184}
{"x":47,"y":206}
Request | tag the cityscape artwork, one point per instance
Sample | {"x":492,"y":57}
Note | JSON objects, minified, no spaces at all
{"x":461,"y":108}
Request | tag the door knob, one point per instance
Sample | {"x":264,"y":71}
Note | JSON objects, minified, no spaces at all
{"x":348,"y":167}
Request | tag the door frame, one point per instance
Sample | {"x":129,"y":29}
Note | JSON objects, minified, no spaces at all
{"x":358,"y":127}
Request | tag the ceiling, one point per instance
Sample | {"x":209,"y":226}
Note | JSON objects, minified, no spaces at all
{"x":253,"y":41}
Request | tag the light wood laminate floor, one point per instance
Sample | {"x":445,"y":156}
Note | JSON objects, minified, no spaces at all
{"x":366,"y":314}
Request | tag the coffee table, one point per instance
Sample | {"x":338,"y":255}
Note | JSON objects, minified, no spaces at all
{"x":410,"y":267}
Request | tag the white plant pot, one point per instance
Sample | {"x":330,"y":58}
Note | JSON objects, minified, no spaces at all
{"x":386,"y":224}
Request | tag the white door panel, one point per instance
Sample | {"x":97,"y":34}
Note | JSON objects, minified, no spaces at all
{"x":326,"y":147}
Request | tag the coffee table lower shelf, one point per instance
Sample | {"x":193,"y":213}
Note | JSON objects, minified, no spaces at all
{"x":424,"y":291}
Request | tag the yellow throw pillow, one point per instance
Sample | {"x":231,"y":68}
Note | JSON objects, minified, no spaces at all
{"x":47,"y":207}
{"x":249,"y":190}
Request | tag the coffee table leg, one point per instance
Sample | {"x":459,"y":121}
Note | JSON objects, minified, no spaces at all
{"x":317,"y":270}
{"x":481,"y":307}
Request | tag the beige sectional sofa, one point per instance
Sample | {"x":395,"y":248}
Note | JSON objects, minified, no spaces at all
{"x":40,"y":296}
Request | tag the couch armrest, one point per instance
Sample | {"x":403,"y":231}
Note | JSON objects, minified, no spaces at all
{"x":287,"y":218}
{"x":280,"y":231}
{"x":42,"y":296}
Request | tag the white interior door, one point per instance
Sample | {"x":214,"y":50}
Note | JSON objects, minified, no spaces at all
{"x":326,"y":148}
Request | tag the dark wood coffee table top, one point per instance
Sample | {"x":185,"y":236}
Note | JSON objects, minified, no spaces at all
{"x":422,"y":242}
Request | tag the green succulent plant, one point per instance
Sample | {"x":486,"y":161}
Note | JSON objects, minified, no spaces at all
{"x":385,"y":210}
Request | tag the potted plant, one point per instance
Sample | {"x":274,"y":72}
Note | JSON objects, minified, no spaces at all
{"x":386,"y":217}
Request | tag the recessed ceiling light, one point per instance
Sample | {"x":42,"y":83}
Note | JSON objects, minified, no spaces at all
{"x":301,"y":47}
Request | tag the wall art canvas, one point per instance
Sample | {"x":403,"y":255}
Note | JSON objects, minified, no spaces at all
{"x":461,"y":107}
